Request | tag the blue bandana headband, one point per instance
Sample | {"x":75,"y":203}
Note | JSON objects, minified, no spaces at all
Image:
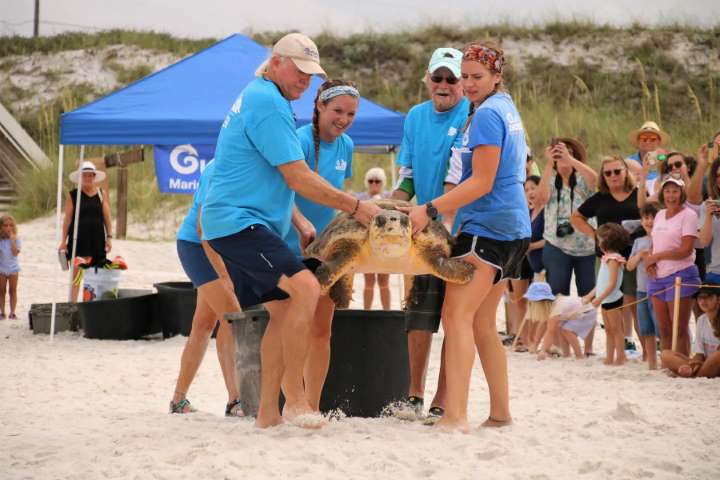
{"x":338,"y":90}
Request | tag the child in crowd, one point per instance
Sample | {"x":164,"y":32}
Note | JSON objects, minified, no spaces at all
{"x":569,"y":319}
{"x":540,"y":300}
{"x":9,"y":266}
{"x":642,"y":247}
{"x":612,"y":239}
{"x":706,"y":361}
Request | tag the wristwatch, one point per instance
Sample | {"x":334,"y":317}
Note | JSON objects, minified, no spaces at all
{"x":431,"y":211}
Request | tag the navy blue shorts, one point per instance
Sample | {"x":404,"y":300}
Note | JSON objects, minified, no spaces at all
{"x":256,"y":258}
{"x":195,"y":263}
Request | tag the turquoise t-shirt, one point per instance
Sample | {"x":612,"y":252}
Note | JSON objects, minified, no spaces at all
{"x":247,"y":188}
{"x":428,"y":139}
{"x":335,"y":167}
{"x":501,"y":214}
{"x":188,"y":228}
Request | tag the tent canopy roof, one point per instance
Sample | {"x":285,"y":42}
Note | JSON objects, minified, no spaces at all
{"x":187,"y":102}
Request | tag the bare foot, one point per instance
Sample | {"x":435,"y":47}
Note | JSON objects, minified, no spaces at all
{"x":494,"y":423}
{"x":303,"y":416}
{"x":451,"y":426}
{"x":685,"y":371}
{"x":620,"y":361}
{"x":607,"y":361}
{"x":267,"y":421}
{"x":542,"y":355}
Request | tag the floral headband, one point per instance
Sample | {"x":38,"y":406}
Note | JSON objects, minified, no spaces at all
{"x":338,"y":90}
{"x":489,"y":57}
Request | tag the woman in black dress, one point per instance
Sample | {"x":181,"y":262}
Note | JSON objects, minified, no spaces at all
{"x":94,"y":236}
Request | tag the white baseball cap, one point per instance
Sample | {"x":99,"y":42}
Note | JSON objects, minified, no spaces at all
{"x":301,"y":50}
{"x":449,"y":58}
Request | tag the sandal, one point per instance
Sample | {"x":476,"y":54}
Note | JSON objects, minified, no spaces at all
{"x":433,"y":415}
{"x":12,"y":316}
{"x":183,"y":406}
{"x":234,"y":409}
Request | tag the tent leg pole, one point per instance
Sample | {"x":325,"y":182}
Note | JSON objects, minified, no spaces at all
{"x":73,"y":248}
{"x":61,"y":159}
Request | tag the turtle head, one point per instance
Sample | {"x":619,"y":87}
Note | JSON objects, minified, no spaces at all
{"x":390,"y":234}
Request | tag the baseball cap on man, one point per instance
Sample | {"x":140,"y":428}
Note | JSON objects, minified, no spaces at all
{"x":449,"y":58}
{"x":301,"y":50}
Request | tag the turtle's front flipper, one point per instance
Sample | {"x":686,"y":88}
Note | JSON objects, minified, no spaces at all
{"x":453,"y":270}
{"x":341,"y":292}
{"x":337,"y":264}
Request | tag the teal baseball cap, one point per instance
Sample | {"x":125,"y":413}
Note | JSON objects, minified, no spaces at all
{"x":449,"y":58}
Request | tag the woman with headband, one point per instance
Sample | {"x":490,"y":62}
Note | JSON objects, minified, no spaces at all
{"x":328,"y":151}
{"x":494,"y":235}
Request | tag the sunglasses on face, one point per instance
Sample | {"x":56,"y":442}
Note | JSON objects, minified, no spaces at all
{"x":373,"y":180}
{"x":614,"y":171}
{"x":648,"y":138}
{"x":439,"y":78}
{"x":677,"y":165}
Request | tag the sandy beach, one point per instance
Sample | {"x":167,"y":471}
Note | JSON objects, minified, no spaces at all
{"x":86,"y":409}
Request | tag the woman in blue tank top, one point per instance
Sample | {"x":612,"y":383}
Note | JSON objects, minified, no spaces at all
{"x":494,"y":235}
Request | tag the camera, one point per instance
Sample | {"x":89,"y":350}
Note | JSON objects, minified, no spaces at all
{"x":564,"y":229}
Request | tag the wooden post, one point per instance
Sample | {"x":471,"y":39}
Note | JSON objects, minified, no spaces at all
{"x":122,"y":197}
{"x":122,"y":160}
{"x":676,"y":314}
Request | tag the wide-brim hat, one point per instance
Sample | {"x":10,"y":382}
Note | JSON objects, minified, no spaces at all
{"x":649,"y":127}
{"x":539,"y":291}
{"x":578,"y":147}
{"x":87,"y":167}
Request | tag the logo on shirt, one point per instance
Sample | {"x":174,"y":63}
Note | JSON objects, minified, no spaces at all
{"x":452,"y":131}
{"x":340,"y":165}
{"x":235,"y":109}
{"x":514,"y":123}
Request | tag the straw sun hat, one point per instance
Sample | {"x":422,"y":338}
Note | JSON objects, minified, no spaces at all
{"x":649,"y":127}
{"x":87,"y":167}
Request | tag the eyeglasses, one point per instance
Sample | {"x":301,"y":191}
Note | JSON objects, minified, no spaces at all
{"x":677,"y":165}
{"x":439,"y":78}
{"x":374,"y":180}
{"x":614,"y":171}
{"x":648,"y":138}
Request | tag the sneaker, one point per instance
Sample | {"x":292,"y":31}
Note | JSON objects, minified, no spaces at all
{"x":410,"y":409}
{"x":434,"y":414}
{"x":630,"y":345}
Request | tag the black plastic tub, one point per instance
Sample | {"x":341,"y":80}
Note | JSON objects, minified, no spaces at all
{"x":129,"y":317}
{"x":369,"y":367}
{"x":175,"y":307}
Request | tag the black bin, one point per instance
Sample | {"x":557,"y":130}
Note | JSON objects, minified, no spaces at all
{"x":175,"y":307}
{"x":368,"y":361}
{"x":129,"y":317}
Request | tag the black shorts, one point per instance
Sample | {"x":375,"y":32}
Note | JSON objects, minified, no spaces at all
{"x":505,"y":255}
{"x":609,"y":306}
{"x":256,"y":258}
{"x":422,"y":311}
{"x":526,"y":270}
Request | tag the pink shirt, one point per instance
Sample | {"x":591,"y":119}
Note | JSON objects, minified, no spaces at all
{"x":667,"y":235}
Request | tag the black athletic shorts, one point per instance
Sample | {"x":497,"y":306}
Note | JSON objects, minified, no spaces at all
{"x":505,"y":255}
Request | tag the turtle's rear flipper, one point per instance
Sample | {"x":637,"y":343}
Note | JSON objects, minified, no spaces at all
{"x":455,"y":270}
{"x":341,"y":292}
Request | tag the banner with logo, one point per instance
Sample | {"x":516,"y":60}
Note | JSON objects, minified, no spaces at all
{"x":178,"y":167}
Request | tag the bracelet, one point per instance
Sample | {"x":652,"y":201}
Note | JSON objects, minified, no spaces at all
{"x":357,"y":205}
{"x":108,"y":236}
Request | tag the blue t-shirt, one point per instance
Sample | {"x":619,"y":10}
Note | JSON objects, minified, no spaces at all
{"x":8,"y":261}
{"x":502,"y":213}
{"x":652,"y":174}
{"x":335,"y":167}
{"x":188,"y":228}
{"x":428,"y":139}
{"x":247,"y":188}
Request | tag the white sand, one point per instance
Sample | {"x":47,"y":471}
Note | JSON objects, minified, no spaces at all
{"x":86,"y":409}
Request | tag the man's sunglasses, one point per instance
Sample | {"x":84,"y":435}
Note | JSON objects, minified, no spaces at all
{"x":373,"y":180}
{"x":439,"y":78}
{"x":614,"y":171}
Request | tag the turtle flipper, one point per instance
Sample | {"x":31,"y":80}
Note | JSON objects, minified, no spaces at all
{"x":341,"y":292}
{"x":338,"y":263}
{"x":454,"y":270}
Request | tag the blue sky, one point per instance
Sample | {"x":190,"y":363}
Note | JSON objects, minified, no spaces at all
{"x":219,"y":18}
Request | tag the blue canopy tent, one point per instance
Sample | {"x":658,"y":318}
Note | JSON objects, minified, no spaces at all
{"x":186,"y":103}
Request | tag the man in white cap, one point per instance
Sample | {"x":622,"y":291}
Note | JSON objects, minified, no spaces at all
{"x":429,"y":162}
{"x":259,"y":166}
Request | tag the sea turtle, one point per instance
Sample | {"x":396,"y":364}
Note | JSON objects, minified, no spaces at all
{"x":385,"y":246}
